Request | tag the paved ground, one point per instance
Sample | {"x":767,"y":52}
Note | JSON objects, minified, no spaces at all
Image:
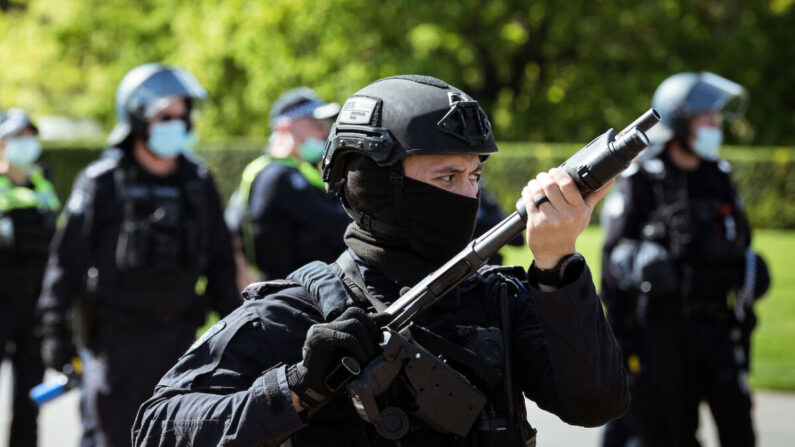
{"x":774,"y":415}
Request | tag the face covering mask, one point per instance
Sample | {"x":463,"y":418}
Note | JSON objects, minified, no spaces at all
{"x":311,"y":150}
{"x":707,"y":142}
{"x":23,"y":151}
{"x":440,"y":222}
{"x":168,"y":139}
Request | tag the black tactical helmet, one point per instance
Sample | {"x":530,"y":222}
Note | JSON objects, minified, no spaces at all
{"x":143,"y":89}
{"x":400,"y":116}
{"x":684,"y":95}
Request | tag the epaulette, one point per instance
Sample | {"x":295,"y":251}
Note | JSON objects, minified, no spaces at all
{"x":101,"y":166}
{"x":259,"y":290}
{"x":724,"y":166}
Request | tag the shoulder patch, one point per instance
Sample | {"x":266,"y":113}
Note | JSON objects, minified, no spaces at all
{"x":724,"y":166}
{"x":208,"y":334}
{"x":77,"y":202}
{"x":101,"y":166}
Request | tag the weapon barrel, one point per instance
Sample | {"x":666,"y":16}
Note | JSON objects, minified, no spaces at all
{"x":644,"y":122}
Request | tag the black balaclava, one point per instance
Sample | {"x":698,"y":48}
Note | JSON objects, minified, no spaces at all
{"x":433,"y":224}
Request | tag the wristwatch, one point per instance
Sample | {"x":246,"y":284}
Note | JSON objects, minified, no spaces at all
{"x":567,"y":270}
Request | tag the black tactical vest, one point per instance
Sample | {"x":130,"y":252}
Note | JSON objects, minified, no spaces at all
{"x":470,"y":339}
{"x":164,"y":228}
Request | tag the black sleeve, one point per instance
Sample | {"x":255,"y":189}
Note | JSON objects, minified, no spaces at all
{"x":622,"y":218}
{"x":288,"y":190}
{"x":64,"y":276}
{"x":230,"y":387}
{"x":568,"y":360}
{"x":221,"y":270}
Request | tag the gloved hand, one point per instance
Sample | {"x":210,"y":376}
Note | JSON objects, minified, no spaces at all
{"x":352,"y":334}
{"x":56,"y":351}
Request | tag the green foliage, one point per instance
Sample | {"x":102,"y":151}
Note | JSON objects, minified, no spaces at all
{"x":765,"y":176}
{"x":544,"y":72}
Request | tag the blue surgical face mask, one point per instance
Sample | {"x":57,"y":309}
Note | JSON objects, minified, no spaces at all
{"x":23,"y":151}
{"x":707,"y":142}
{"x":169,"y":139}
{"x":311,"y":150}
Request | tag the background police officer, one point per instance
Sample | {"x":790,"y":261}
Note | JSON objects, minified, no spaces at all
{"x":281,"y":211}
{"x":142,"y":224}
{"x":679,"y":277}
{"x":28,"y":208}
{"x":406,"y":153}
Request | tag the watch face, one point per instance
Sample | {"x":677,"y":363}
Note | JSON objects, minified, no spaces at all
{"x":571,"y":268}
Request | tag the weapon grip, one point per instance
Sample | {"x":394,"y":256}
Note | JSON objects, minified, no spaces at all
{"x":342,"y":373}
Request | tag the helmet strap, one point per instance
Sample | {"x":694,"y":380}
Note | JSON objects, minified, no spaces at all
{"x":396,"y":180}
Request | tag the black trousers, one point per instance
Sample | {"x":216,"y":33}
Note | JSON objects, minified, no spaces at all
{"x":685,"y":361}
{"x":21,"y":346}
{"x":120,"y":372}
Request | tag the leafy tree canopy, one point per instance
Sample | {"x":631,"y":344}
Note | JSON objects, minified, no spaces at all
{"x":544,"y":70}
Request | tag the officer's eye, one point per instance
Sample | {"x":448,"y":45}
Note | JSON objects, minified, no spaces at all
{"x":446,"y":178}
{"x":474,"y":177}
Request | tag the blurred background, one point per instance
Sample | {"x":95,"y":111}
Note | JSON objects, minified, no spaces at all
{"x":550,"y":75}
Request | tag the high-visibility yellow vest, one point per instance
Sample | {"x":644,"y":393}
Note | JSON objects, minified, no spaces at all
{"x":42,"y":195}
{"x":311,"y":173}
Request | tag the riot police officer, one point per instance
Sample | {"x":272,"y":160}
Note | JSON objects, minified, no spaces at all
{"x":142,"y":224}
{"x":679,"y":279}
{"x":405,"y":155}
{"x":281,"y":212}
{"x":28,"y":208}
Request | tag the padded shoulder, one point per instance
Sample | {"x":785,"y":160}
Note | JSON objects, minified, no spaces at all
{"x":327,"y":290}
{"x":259,"y":290}
{"x":103,"y":166}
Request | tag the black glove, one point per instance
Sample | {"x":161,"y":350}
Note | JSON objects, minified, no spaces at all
{"x":56,"y":351}
{"x":352,"y":334}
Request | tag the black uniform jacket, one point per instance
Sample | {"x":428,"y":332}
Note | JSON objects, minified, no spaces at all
{"x":293,"y":222}
{"x":230,"y":387}
{"x":84,"y":251}
{"x":709,"y":198}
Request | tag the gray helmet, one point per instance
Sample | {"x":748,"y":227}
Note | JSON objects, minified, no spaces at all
{"x":14,"y":121}
{"x":685,"y":95}
{"x":400,"y":116}
{"x":142,"y":92}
